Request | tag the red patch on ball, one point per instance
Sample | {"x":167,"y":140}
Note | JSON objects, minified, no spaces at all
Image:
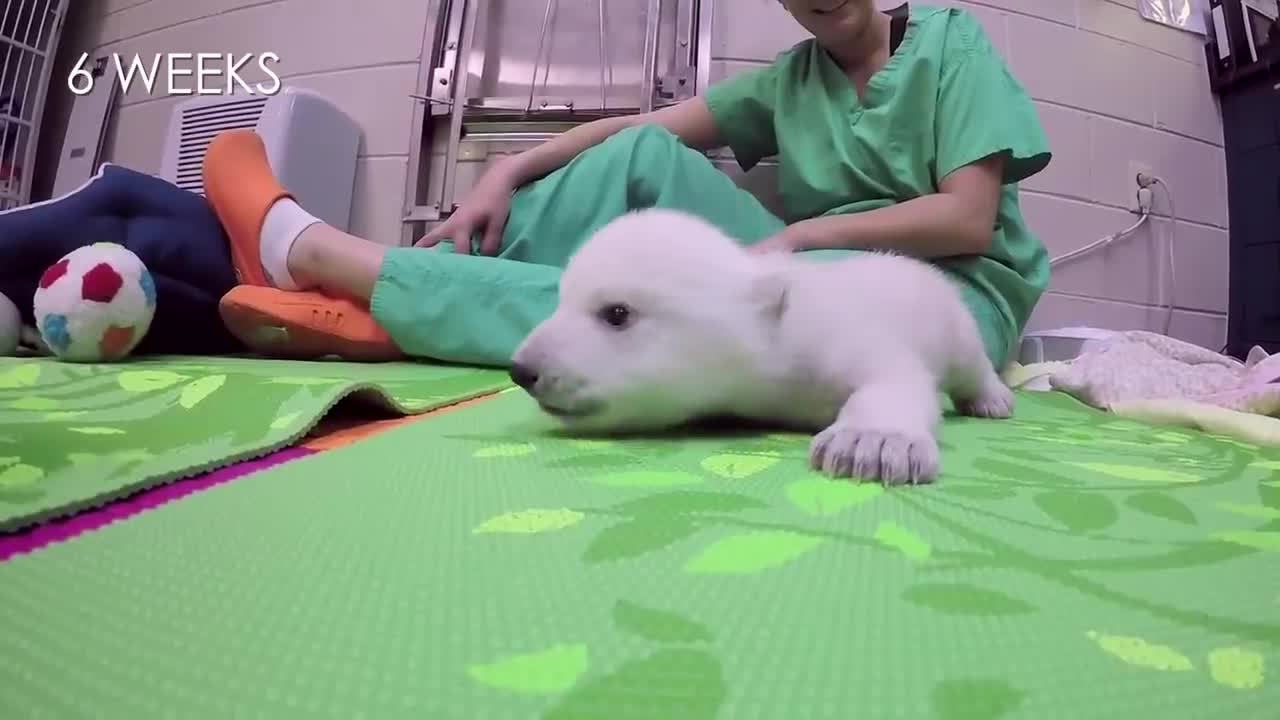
{"x":54,"y":272}
{"x":101,"y":283}
{"x":115,"y":341}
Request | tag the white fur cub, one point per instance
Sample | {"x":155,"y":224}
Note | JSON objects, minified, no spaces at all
{"x":663,"y":319}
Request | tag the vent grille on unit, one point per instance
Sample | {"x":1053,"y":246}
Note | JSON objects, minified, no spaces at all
{"x":200,"y":124}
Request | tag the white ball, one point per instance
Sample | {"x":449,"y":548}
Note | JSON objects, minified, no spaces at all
{"x":95,"y":304}
{"x":10,"y":326}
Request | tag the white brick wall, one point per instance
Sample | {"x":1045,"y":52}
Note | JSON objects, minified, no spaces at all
{"x":363,"y":55}
{"x":1111,"y":88}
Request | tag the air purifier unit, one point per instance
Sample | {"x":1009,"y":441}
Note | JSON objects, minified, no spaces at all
{"x":1061,"y":344}
{"x":311,"y":145}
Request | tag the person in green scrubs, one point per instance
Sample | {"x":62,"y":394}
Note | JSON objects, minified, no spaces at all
{"x":902,"y":131}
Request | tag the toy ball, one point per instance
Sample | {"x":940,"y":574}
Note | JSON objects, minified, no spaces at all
{"x":95,"y":304}
{"x":10,"y":326}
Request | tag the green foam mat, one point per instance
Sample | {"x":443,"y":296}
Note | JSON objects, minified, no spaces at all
{"x":76,"y":435}
{"x":1067,"y":565}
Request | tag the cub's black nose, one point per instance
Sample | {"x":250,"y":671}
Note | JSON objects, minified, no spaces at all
{"x":524,"y":376}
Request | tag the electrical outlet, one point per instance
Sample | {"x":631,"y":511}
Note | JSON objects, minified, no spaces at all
{"x":1131,"y":182}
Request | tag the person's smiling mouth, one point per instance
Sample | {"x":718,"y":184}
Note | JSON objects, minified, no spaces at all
{"x":829,"y":10}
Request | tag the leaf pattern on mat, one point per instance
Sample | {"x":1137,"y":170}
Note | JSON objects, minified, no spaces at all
{"x":1163,"y":506}
{"x":297,"y":380}
{"x":594,"y":461}
{"x":35,"y":402}
{"x":1237,"y":668}
{"x":545,"y":672}
{"x":633,"y":538}
{"x":96,"y":430}
{"x":735,"y":466}
{"x":19,"y":475}
{"x":1257,"y":539}
{"x":286,"y":421}
{"x":671,"y":683}
{"x":751,"y":552}
{"x":822,"y":496}
{"x":648,"y":478}
{"x":142,"y":381}
{"x":975,"y":699}
{"x":1141,"y":653}
{"x":534,"y":520}
{"x":1261,"y":512}
{"x":976,"y":491}
{"x":197,"y":390}
{"x":659,"y":588}
{"x":508,"y":450}
{"x":189,"y":413}
{"x":658,"y":626}
{"x":905,"y":541}
{"x":1038,"y":496}
{"x":1140,"y":473}
{"x":1078,"y":511}
{"x":965,"y":599}
{"x":688,"y":503}
{"x":20,"y":375}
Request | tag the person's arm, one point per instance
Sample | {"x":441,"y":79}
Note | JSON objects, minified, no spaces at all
{"x":959,"y":219}
{"x":488,"y":203}
{"x":987,"y":136}
{"x":691,"y":121}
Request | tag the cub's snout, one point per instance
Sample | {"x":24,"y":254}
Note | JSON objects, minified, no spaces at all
{"x":526,"y":376}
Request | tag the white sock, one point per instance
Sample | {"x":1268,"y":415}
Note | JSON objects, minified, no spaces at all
{"x":285,"y":221}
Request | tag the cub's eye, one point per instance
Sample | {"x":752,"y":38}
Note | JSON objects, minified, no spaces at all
{"x":615,"y":315}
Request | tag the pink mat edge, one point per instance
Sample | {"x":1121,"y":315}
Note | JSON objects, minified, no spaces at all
{"x":63,"y":529}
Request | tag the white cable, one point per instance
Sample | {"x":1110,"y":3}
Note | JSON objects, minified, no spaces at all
{"x":1145,"y":181}
{"x":1101,"y":242}
{"x":1172,"y":240}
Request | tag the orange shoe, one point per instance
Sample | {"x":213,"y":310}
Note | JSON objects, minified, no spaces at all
{"x":241,"y":188}
{"x":304,"y":325}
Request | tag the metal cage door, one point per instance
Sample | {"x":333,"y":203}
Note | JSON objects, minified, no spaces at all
{"x":498,"y":76}
{"x":29,"y":33}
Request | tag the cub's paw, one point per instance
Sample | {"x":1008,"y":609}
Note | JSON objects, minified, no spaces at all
{"x":995,"y":401}
{"x":891,"y":457}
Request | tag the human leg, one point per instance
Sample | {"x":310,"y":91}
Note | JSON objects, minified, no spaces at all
{"x":462,"y":308}
{"x":470,"y":309}
{"x":277,"y":246}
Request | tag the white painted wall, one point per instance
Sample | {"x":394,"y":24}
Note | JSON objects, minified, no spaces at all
{"x":1111,"y":88}
{"x":363,"y":54}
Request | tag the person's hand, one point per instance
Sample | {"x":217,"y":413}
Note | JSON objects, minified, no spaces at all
{"x":784,"y":241}
{"x":485,"y":211}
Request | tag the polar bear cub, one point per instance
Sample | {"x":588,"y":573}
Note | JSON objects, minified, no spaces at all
{"x":663,"y":319}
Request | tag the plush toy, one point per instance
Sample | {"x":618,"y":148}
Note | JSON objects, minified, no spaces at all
{"x":95,"y":304}
{"x":10,"y":326}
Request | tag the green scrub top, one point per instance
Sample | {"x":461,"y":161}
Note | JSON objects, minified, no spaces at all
{"x":945,"y":99}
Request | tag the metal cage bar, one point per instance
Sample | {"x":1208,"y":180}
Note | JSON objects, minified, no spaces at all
{"x":498,"y":76}
{"x":29,"y":35}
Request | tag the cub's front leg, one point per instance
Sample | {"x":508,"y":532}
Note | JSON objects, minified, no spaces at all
{"x":885,"y":431}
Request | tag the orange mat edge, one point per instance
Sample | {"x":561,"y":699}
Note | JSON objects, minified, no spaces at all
{"x":345,"y":434}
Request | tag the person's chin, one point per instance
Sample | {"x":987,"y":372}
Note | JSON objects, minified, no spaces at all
{"x":833,"y":10}
{"x":839,"y":24}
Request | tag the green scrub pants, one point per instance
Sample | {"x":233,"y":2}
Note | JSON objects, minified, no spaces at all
{"x":475,"y":310}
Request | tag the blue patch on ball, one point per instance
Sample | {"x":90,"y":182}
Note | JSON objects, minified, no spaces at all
{"x":55,"y":332}
{"x":148,"y":286}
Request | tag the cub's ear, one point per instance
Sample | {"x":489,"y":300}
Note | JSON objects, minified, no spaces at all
{"x":769,"y":290}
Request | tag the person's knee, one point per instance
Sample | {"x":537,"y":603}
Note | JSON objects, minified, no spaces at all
{"x":649,"y":136}
{"x":651,"y":154}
